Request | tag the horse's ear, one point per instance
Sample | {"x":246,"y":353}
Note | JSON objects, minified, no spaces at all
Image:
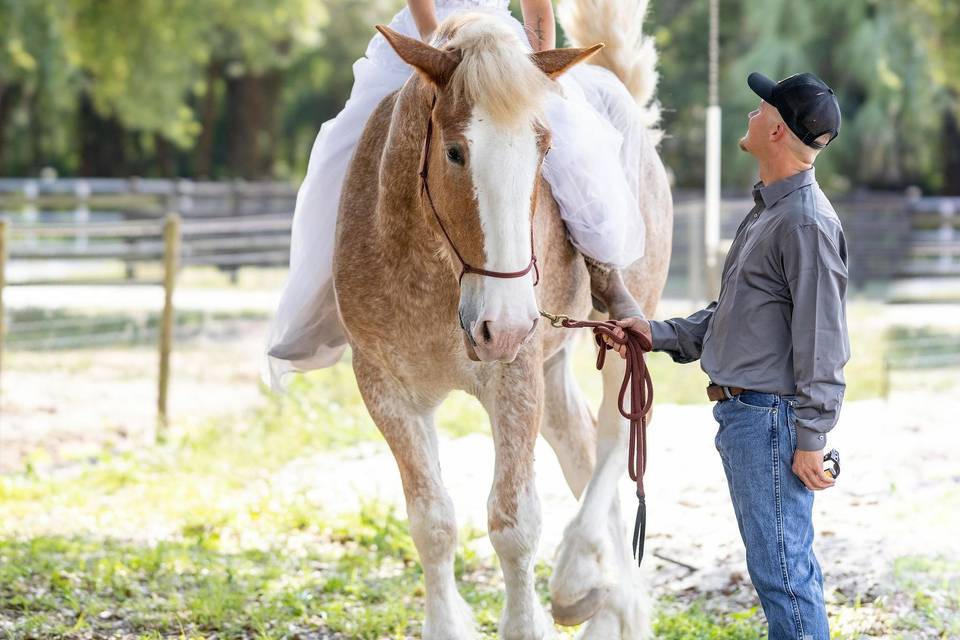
{"x":436,"y":64}
{"x":554,"y":62}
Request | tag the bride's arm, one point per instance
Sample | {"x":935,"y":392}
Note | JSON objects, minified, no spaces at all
{"x":538,"y":22}
{"x":424,"y":14}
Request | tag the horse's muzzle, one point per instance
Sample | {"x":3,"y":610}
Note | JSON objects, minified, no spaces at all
{"x":497,"y":342}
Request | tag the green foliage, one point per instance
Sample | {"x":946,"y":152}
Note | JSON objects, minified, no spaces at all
{"x":169,"y":72}
{"x":886,"y":60}
{"x":694,"y":621}
{"x":934,"y":586}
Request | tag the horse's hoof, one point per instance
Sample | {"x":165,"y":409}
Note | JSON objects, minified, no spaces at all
{"x":581,"y":610}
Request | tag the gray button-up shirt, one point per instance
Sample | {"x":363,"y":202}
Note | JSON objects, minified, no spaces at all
{"x":780,"y":324}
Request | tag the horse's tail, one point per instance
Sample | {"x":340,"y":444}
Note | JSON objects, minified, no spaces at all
{"x":628,"y":53}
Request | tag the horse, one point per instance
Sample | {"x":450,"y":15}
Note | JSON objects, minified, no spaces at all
{"x":416,"y":269}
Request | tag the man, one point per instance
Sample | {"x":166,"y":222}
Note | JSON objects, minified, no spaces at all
{"x":774,"y":345}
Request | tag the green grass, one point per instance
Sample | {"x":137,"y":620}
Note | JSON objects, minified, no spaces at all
{"x":359,"y":577}
{"x":201,"y":537}
{"x":682,"y":622}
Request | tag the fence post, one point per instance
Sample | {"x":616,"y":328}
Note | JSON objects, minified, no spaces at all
{"x":171,"y":249}
{"x":945,"y":236}
{"x":4,"y":239}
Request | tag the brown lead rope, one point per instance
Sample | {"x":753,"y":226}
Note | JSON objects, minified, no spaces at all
{"x":636,"y":377}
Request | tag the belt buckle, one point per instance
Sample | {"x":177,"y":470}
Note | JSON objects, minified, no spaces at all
{"x":726,"y":392}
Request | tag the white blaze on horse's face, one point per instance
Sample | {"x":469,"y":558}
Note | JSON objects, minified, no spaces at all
{"x":500,"y":314}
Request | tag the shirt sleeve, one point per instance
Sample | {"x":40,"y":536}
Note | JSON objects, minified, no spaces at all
{"x":682,"y":338}
{"x":815,"y":267}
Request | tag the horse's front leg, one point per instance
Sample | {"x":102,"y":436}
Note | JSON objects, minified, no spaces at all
{"x":596,"y":577}
{"x":411,"y":434}
{"x":513,"y":397}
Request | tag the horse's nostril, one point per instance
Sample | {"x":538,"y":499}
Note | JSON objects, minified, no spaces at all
{"x":485,"y":329}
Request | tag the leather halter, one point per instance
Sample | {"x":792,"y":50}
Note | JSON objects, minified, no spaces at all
{"x":465,"y":266}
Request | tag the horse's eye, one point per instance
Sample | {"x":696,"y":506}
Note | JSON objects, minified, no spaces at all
{"x":455,"y":156}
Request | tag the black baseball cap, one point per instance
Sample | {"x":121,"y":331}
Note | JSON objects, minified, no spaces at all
{"x":805,"y":103}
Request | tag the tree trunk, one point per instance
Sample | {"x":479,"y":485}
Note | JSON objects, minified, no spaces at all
{"x":37,"y":160}
{"x":208,"y":123}
{"x":166,"y":163}
{"x":951,"y":151}
{"x":102,"y":143}
{"x":9,"y":97}
{"x":252,"y":103}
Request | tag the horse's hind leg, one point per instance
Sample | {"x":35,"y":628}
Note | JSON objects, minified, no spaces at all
{"x":596,"y":577}
{"x":412,"y":437}
{"x":514,"y":398}
{"x":568,"y":424}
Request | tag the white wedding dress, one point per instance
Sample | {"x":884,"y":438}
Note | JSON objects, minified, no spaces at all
{"x":593,"y":170}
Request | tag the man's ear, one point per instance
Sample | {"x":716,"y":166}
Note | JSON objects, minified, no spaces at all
{"x":435,"y":64}
{"x":554,"y":62}
{"x":779,"y":131}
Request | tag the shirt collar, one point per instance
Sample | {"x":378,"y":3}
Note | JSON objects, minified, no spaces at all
{"x":776,"y":191}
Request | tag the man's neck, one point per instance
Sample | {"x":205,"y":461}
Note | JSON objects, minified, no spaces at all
{"x":771,"y":172}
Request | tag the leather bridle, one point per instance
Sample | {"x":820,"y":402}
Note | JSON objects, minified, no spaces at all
{"x":465,"y":266}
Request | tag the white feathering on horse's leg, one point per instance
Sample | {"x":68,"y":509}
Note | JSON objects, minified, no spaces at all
{"x":523,"y":618}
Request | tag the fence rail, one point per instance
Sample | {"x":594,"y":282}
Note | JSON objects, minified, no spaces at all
{"x":166,"y":249}
{"x":235,"y":224}
{"x":114,"y":219}
{"x":935,"y":246}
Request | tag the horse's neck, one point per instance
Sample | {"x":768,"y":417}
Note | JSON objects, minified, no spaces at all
{"x":400,"y":219}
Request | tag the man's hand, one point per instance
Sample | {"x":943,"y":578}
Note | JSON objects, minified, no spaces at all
{"x":808,"y":466}
{"x":637,"y":324}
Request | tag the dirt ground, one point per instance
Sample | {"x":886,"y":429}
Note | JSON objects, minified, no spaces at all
{"x":898,"y":497}
{"x":61,"y":405}
{"x":58,"y":406}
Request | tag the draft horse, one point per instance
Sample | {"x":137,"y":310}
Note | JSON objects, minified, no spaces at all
{"x":443,"y":198}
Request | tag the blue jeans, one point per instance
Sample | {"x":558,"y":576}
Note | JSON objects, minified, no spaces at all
{"x":756,"y":441}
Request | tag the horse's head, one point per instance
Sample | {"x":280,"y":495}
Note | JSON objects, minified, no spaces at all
{"x":487,"y":142}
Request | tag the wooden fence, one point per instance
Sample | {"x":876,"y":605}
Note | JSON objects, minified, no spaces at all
{"x":226,"y":224}
{"x":935,"y":237}
{"x":163,"y":237}
{"x":890,"y":235}
{"x":68,"y":222}
{"x":235,"y":224}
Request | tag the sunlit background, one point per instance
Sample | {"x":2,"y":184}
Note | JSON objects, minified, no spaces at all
{"x":150,"y":487}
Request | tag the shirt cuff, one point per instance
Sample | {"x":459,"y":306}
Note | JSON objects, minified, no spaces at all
{"x":663,"y":336}
{"x":810,"y":440}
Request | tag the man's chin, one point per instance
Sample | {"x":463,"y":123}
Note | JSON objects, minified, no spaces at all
{"x":743,"y":145}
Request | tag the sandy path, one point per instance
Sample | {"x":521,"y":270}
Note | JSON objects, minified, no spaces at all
{"x":899,"y":494}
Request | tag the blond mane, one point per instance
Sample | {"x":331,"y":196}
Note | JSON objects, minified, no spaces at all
{"x":495,"y":73}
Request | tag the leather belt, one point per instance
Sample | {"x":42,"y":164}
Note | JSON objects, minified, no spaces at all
{"x":716,"y":392}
